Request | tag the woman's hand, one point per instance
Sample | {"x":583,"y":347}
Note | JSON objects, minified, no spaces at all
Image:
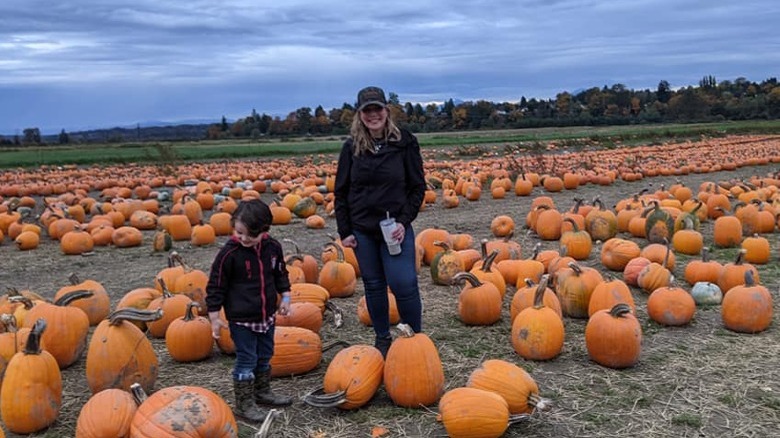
{"x":399,"y":232}
{"x":349,"y":241}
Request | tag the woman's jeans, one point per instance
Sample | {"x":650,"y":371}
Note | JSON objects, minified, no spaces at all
{"x":253,"y":351}
{"x":379,"y":269}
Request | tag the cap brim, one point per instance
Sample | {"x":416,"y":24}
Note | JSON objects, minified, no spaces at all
{"x":372,"y":102}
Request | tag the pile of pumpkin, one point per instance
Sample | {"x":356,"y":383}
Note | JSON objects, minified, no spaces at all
{"x":197,"y":213}
{"x":664,"y":222}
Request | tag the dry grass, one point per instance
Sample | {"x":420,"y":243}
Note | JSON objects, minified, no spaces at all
{"x":698,"y":380}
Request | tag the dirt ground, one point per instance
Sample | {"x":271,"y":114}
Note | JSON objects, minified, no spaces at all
{"x":699,"y":380}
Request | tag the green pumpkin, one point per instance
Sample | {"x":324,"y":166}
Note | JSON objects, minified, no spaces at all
{"x":445,"y":264}
{"x":659,"y":224}
{"x":305,"y":207}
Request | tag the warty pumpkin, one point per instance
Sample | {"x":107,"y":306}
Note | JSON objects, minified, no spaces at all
{"x":445,"y":264}
{"x":189,"y":411}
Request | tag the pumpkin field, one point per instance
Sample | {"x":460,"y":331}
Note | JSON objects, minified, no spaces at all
{"x":656,"y":268}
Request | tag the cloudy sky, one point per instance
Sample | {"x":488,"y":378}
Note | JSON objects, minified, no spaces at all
{"x":103,"y":63}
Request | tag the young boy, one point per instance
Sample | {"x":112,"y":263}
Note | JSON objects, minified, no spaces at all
{"x":246,"y":276}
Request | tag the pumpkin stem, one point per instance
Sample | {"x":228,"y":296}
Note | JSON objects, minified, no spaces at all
{"x":131,"y":314}
{"x":466,"y":276}
{"x":294,"y":244}
{"x":518,"y":418}
{"x":319,"y":399}
{"x":619,"y":310}
{"x":138,"y":393}
{"x":33,"y":345}
{"x":575,"y":267}
{"x":740,"y":256}
{"x":165,"y":292}
{"x":539,"y":294}
{"x":539,"y":403}
{"x":327,"y":346}
{"x":488,"y":262}
{"x":189,"y":315}
{"x":9,"y":321}
{"x":338,"y":315}
{"x":405,"y":330}
{"x":332,"y":246}
{"x":74,"y":278}
{"x":73,"y":296}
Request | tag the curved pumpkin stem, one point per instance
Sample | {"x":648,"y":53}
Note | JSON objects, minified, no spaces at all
{"x":472,"y":279}
{"x":575,"y":267}
{"x":294,"y":244}
{"x":620,"y":309}
{"x":73,"y":296}
{"x":319,"y":399}
{"x":339,"y":252}
{"x":130,"y":314}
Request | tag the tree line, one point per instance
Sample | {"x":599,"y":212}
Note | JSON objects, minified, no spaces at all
{"x":709,"y":101}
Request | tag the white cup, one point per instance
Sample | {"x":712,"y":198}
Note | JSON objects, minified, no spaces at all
{"x":388,"y":226}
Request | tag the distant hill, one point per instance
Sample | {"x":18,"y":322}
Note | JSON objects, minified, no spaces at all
{"x":162,"y":132}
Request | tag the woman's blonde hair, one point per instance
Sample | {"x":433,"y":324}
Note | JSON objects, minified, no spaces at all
{"x":361,"y":136}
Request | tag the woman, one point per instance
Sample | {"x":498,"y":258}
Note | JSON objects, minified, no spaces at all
{"x":380,"y":172}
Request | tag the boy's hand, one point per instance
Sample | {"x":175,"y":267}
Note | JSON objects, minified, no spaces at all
{"x":216,"y":324}
{"x":284,"y":306}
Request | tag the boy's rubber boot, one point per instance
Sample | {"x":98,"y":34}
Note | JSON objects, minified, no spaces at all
{"x":263,"y":393}
{"x":245,"y":403}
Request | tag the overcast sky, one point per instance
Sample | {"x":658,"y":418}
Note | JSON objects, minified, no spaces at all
{"x":102,"y":63}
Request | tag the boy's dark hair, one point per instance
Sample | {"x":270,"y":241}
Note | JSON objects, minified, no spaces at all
{"x":254,"y":214}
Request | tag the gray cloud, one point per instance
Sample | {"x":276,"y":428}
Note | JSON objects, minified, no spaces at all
{"x":114,"y":62}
